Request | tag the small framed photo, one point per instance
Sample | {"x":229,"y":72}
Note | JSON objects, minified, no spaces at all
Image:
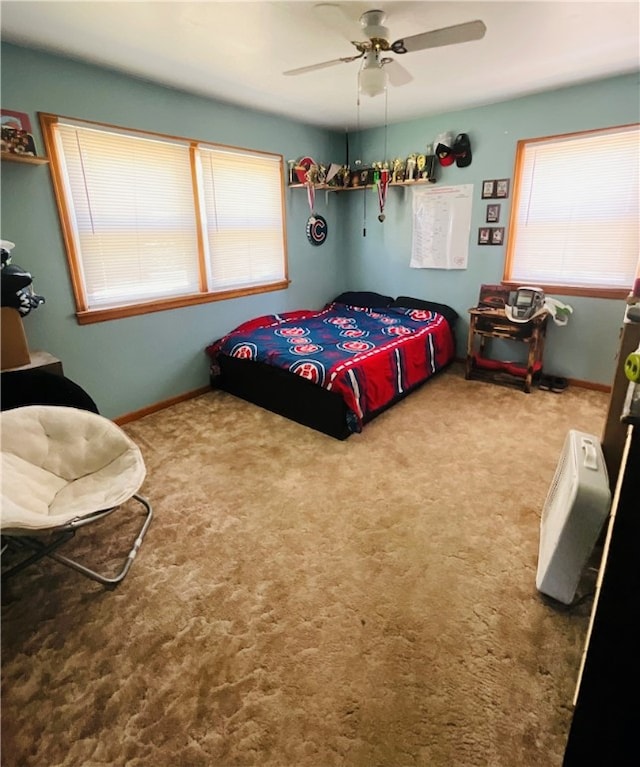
{"x":15,"y":120}
{"x":502,"y":187}
{"x":484,"y":235}
{"x":497,"y":235}
{"x":493,"y":214}
{"x":488,"y":189}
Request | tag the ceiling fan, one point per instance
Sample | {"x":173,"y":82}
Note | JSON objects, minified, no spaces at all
{"x":376,"y":68}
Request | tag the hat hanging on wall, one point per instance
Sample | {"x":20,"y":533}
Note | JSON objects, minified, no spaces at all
{"x":445,"y":155}
{"x":443,"y":144}
{"x":461,"y":150}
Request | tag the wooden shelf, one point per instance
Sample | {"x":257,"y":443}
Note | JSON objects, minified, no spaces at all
{"x":415,"y":182}
{"x":26,"y":159}
{"x":327,"y":188}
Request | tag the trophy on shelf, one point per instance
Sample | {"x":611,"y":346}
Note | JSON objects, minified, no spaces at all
{"x":292,"y":167}
{"x":410,"y":167}
{"x":397,"y":171}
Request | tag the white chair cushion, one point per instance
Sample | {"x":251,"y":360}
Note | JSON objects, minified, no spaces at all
{"x":60,"y":463}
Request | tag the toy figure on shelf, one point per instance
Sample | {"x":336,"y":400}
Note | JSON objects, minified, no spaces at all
{"x":17,"y":291}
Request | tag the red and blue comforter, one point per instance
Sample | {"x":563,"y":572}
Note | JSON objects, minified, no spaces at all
{"x":370,"y":357}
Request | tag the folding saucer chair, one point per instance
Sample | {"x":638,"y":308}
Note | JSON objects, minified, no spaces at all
{"x":64,"y":468}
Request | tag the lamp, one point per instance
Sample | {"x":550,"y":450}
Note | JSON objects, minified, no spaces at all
{"x":372,"y":78}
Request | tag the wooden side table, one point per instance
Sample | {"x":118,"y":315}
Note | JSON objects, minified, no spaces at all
{"x":487,"y":323}
{"x":40,"y":360}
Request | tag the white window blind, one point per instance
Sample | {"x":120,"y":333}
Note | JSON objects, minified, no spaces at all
{"x":153,"y":222}
{"x":577,"y":216}
{"x":242,"y":203}
{"x":132,"y":214}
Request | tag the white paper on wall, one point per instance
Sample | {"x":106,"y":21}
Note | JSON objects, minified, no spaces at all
{"x":441,"y":227}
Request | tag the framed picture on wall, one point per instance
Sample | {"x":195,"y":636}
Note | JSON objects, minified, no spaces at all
{"x":502,"y":187}
{"x":488,"y":188}
{"x":493,"y":214}
{"x":484,"y":235}
{"x":497,"y":235}
{"x":15,"y":120}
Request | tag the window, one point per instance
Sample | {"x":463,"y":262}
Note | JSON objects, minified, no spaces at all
{"x":575,"y":214}
{"x":153,"y":222}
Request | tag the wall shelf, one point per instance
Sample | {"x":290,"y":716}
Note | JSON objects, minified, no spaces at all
{"x":395,"y":184}
{"x":26,"y":159}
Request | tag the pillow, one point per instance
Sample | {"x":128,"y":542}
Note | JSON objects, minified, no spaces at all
{"x":448,"y":312}
{"x":364,"y":298}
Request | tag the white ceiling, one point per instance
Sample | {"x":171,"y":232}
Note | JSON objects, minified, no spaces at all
{"x":237,"y":51}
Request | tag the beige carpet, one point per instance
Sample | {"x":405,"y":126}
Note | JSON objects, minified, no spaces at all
{"x":305,"y":602}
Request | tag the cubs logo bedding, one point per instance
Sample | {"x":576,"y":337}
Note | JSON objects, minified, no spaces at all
{"x":370,"y":357}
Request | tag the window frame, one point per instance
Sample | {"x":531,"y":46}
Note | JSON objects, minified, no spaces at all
{"x":566,"y":290}
{"x":87,"y":315}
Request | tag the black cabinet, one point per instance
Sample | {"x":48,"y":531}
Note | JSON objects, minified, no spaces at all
{"x":605,"y":729}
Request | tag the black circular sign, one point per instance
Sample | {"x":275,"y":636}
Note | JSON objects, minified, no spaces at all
{"x":316,"y":230}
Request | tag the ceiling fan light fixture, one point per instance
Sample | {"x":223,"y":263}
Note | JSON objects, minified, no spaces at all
{"x":372,"y":81}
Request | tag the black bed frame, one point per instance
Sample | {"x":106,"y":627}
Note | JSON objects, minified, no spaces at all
{"x":290,"y":395}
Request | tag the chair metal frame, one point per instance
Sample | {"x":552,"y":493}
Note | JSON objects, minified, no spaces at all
{"x":16,"y":540}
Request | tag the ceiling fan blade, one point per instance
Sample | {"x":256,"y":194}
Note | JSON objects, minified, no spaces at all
{"x":322,"y":65}
{"x":336,"y":18}
{"x":458,"y":33}
{"x":398,"y":75}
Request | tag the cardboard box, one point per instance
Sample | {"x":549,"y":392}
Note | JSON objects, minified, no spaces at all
{"x":14,"y":351}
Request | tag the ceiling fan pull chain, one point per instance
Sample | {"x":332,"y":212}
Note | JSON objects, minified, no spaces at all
{"x":386,"y":122}
{"x":364,"y":223}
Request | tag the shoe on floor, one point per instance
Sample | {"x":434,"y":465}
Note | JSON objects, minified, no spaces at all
{"x":559,"y":384}
{"x":545,"y":382}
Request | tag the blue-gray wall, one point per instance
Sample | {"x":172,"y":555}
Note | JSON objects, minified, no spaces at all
{"x":585,"y":349}
{"x":131,"y":363}
{"x":128,"y":364}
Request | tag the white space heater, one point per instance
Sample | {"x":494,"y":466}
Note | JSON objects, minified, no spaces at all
{"x":577,"y":505}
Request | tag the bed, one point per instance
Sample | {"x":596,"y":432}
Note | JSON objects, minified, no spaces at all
{"x":337,"y":368}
